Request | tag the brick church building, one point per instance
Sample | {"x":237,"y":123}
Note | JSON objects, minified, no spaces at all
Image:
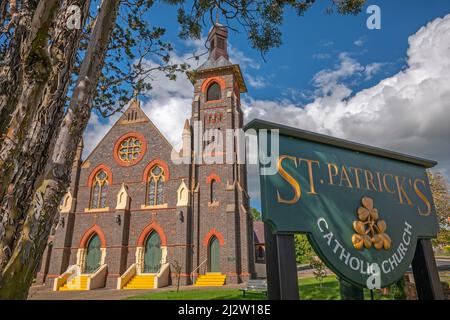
{"x":132,"y":217}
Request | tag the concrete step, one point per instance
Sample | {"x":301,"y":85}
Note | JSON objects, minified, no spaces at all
{"x":76,"y":284}
{"x":210,"y":280}
{"x":140,"y":282}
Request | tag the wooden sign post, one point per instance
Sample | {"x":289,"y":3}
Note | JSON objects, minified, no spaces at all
{"x":425,"y":271}
{"x":368,"y":212}
{"x":281,"y":266}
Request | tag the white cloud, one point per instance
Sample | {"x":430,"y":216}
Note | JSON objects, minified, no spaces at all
{"x":168,"y":104}
{"x":326,"y":80}
{"x":326,"y":43}
{"x":170,"y":101}
{"x":96,"y":130}
{"x":321,"y":56}
{"x":408,"y":112}
{"x":371,"y":69}
{"x":347,"y":68}
{"x":415,"y":100}
{"x":238,"y":57}
{"x":359,"y":42}
{"x":257,"y":82}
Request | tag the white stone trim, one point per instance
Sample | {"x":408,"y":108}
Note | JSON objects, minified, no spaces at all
{"x":81,"y":258}
{"x":67,"y":202}
{"x":140,"y":251}
{"x":123,"y":198}
{"x":139,"y":259}
{"x":183,"y":195}
{"x":103,"y":256}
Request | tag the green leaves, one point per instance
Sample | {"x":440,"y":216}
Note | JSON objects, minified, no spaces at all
{"x":135,"y":41}
{"x":135,"y":51}
{"x":441,"y":199}
{"x":303,"y":249}
{"x":349,"y":6}
{"x":260,"y":19}
{"x":256,"y":215}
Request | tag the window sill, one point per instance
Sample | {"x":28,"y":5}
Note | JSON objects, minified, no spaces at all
{"x":214,"y":101}
{"x":213,"y":204}
{"x":157,"y":206}
{"x":96,"y":209}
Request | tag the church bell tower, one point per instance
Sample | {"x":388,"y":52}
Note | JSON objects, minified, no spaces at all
{"x":222,"y":229}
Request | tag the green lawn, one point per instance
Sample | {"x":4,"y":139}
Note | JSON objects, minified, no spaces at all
{"x":445,"y":276}
{"x":309,"y":289}
{"x":207,"y":294}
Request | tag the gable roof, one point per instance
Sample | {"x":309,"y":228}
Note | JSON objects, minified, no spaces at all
{"x":132,"y":114}
{"x":211,"y":63}
{"x":258,"y":230}
{"x":211,"y":67}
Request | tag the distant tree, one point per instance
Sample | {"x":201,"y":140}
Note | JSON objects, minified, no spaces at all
{"x":303,"y":249}
{"x":398,"y":289}
{"x":441,"y":198}
{"x":319,"y":269}
{"x":177,"y":267}
{"x":261,"y":19}
{"x":256,"y":215}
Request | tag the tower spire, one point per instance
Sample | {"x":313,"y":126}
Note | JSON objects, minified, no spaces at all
{"x":217,"y":15}
{"x":218,"y":38}
{"x":135,"y":93}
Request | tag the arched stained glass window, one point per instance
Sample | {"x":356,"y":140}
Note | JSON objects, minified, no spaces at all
{"x":213,"y":191}
{"x":155,"y":186}
{"x":99,"y":190}
{"x":213,"y":92}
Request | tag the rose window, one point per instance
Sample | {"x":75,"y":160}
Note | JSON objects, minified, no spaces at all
{"x":130,"y":149}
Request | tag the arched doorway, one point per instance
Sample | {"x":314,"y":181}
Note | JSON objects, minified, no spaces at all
{"x":153,"y":253}
{"x":94,"y":254}
{"x":214,"y":255}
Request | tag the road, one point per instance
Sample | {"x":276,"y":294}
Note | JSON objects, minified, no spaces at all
{"x":443,"y":265}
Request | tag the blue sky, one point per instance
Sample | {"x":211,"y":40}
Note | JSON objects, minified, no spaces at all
{"x":388,"y":88}
{"x":310,"y":38}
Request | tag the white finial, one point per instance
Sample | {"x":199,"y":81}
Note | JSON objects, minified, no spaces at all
{"x":123,"y":199}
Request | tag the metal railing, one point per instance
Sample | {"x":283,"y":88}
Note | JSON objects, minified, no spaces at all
{"x":198,"y":267}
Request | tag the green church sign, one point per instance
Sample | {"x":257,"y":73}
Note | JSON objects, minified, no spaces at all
{"x":363,"y":208}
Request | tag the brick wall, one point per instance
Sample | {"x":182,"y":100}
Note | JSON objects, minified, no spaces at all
{"x":187,"y":241}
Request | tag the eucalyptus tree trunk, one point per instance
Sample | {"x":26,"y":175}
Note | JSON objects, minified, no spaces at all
{"x":34,"y":62}
{"x":11,"y":70}
{"x":38,"y":111}
{"x":23,"y":261}
{"x":26,"y":147}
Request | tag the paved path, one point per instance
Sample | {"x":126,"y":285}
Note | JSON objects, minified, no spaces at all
{"x":44,"y":293}
{"x":39,"y":293}
{"x":443,"y":264}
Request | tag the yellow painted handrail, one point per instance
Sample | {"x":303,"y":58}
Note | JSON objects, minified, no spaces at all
{"x":62,"y":279}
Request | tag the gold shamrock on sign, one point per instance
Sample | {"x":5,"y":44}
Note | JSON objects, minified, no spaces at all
{"x":370,"y":229}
